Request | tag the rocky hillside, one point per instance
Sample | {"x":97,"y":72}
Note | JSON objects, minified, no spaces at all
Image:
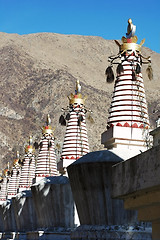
{"x":38,"y":71}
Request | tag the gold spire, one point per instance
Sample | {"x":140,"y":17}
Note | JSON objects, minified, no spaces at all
{"x":29,"y":148}
{"x":15,"y":161}
{"x":47,"y":129}
{"x":78,"y":87}
{"x":17,"y":155}
{"x":48,"y":120}
{"x":6,"y":170}
{"x":130,"y":41}
{"x":1,"y":177}
{"x":77,"y":97}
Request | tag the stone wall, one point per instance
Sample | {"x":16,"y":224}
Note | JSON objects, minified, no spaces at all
{"x":24,"y":212}
{"x":137,"y":182}
{"x":53,"y":202}
{"x":45,"y":211}
{"x":90,"y":179}
{"x":101,"y":217}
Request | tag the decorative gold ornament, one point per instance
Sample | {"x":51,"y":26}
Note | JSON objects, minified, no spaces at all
{"x":130,"y":47}
{"x":5,"y":172}
{"x":77,"y":97}
{"x":48,"y":129}
{"x":29,"y":148}
{"x":15,"y":161}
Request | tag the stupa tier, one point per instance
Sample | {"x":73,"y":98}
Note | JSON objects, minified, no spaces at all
{"x":46,"y":162}
{"x":128,"y":120}
{"x":76,"y":140}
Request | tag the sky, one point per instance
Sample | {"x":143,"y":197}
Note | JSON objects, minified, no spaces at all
{"x":107,"y":19}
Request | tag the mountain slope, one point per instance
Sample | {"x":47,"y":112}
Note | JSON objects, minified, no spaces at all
{"x":38,"y":71}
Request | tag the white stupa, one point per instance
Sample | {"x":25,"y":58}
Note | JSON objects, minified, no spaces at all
{"x":28,"y":167}
{"x":75,"y":143}
{"x":128,"y":121}
{"x":46,"y":163}
{"x":13,"y":183}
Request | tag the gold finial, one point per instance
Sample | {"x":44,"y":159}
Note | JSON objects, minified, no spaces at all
{"x":48,"y":120}
{"x":77,"y":97}
{"x":129,"y":43}
{"x":17,"y":154}
{"x":47,"y":129}
{"x":30,"y":141}
{"x":130,"y":20}
{"x":29,"y":148}
{"x":78,"y":87}
{"x":5,"y":171}
{"x":15,"y":161}
{"x":130,"y":29}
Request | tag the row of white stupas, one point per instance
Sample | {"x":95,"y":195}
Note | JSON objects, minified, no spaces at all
{"x":25,"y":172}
{"x":127,"y":127}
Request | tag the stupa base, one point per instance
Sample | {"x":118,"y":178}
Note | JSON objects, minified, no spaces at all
{"x":126,"y":142}
{"x":111,"y":232}
{"x":60,"y":234}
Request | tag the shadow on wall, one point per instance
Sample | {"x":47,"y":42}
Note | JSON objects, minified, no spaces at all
{"x":52,"y":196}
